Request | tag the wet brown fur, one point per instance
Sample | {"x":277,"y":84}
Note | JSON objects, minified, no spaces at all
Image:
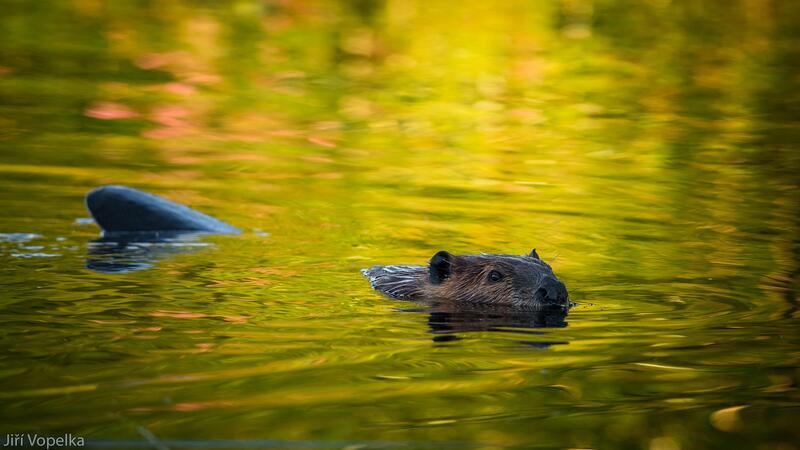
{"x":468,"y":282}
{"x":466,"y":279}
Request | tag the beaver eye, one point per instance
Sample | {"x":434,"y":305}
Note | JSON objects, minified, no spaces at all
{"x":495,"y":276}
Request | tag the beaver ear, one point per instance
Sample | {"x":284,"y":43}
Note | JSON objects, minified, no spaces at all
{"x":534,"y":255}
{"x":440,"y":266}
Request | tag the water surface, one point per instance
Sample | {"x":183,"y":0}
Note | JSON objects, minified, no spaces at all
{"x":648,"y":150}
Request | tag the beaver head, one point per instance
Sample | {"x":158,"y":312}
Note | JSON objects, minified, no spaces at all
{"x":524,"y":282}
{"x":519,"y":281}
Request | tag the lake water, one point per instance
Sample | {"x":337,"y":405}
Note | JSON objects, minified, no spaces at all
{"x":647,"y":150}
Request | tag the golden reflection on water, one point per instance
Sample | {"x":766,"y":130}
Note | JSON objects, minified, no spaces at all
{"x":648,"y":150}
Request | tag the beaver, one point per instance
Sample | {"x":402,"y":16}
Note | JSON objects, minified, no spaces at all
{"x":524,"y":282}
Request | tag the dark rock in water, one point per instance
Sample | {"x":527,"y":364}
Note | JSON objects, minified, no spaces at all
{"x":140,"y":229}
{"x":122,"y":210}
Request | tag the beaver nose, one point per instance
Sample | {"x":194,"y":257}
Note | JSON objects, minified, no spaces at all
{"x":553,"y":291}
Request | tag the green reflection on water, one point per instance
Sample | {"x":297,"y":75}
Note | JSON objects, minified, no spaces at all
{"x":648,"y":149}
